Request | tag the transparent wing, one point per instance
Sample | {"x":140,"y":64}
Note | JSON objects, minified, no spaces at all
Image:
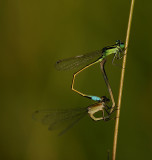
{"x":73,"y":62}
{"x":58,"y":118}
{"x":72,"y":123}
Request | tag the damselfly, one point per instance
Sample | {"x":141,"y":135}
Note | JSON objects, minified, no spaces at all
{"x":56,"y":118}
{"x":117,"y":49}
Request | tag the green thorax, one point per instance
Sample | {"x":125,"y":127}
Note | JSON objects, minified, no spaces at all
{"x":118,"y":47}
{"x":110,"y":51}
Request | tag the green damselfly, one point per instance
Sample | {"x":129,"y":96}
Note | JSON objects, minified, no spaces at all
{"x":70,"y":63}
{"x":56,"y":118}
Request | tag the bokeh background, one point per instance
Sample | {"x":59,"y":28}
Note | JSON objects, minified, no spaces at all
{"x":34,"y":34}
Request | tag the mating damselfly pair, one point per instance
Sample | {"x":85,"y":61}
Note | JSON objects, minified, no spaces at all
{"x":55,"y":118}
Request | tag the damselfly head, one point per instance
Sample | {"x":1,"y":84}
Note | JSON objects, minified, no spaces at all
{"x":105,"y":99}
{"x":121,"y":44}
{"x":118,"y":42}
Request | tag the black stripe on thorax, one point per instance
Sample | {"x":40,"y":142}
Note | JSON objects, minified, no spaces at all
{"x":108,"y":47}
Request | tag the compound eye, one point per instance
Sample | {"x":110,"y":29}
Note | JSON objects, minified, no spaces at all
{"x":105,"y":99}
{"x":122,"y":45}
{"x":118,"y":42}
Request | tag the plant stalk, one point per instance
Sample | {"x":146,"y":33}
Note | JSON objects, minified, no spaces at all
{"x":122,"y":82}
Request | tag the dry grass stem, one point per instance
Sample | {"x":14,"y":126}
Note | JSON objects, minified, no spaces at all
{"x":121,"y":82}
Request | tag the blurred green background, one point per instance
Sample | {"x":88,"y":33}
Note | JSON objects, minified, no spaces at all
{"x":34,"y":34}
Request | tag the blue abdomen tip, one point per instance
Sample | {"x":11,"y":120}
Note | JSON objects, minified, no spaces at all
{"x":95,"y":98}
